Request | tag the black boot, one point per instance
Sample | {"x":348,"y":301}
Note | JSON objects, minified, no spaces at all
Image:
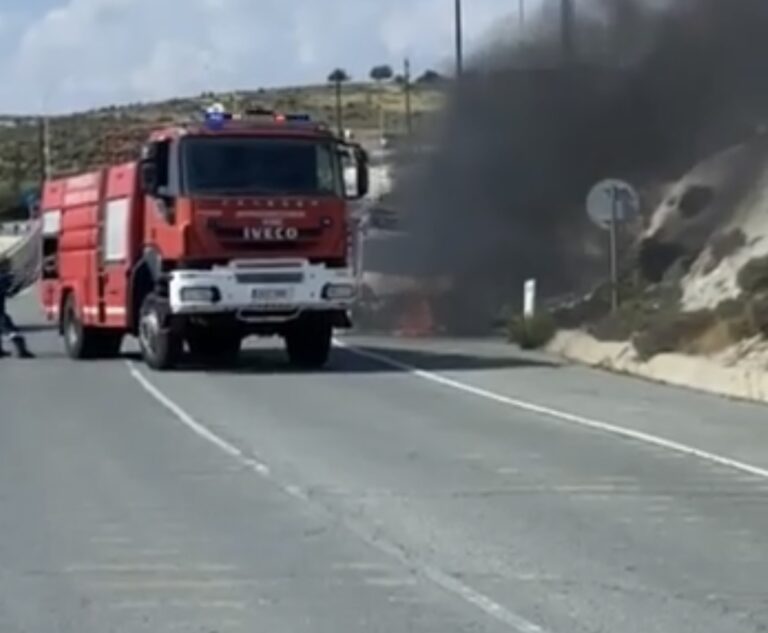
{"x":20,"y":345}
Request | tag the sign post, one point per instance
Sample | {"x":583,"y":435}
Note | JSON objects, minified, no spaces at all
{"x":609,"y":203}
{"x":614,"y":253}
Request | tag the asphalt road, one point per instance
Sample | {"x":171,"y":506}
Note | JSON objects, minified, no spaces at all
{"x":489,"y":491}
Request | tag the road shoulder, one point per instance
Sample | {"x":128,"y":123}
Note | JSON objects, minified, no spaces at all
{"x":702,"y":374}
{"x":702,"y":422}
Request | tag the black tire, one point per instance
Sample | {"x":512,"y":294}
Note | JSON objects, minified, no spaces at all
{"x":80,"y":341}
{"x":308,"y":342}
{"x":160,"y":344}
{"x":213,"y":346}
{"x":109,"y":344}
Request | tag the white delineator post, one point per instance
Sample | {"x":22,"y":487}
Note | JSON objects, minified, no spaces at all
{"x":529,"y":299}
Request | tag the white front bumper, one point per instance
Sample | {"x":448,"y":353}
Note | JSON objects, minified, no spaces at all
{"x":261,"y":287}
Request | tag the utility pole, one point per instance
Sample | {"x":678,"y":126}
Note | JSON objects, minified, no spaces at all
{"x":567,"y":28}
{"x":44,"y":149}
{"x":16,"y":174}
{"x":407,"y":87}
{"x":459,"y":41}
{"x":339,"y":111}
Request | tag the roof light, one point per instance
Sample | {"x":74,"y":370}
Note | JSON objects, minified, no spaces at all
{"x":259,"y":111}
{"x":216,"y":115}
{"x":291,"y":118}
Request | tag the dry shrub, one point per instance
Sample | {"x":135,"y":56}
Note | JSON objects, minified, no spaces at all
{"x":757,"y":313}
{"x":753,"y":277}
{"x":532,"y":333}
{"x":724,"y":245}
{"x":670,"y":332}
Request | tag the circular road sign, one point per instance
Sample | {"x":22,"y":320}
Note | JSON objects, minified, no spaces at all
{"x":612,"y":199}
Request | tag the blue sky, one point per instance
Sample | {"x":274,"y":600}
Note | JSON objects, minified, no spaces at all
{"x":59,"y":55}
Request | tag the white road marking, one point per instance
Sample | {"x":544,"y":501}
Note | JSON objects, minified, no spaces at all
{"x":390,"y":583}
{"x":153,"y":553}
{"x":139,"y":585}
{"x":363,"y":566}
{"x":146,"y":605}
{"x":111,"y":540}
{"x":148,"y":568}
{"x":193,"y":424}
{"x":487,"y":605}
{"x":563,"y":416}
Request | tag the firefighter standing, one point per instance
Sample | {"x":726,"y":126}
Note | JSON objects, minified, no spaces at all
{"x":8,"y":329}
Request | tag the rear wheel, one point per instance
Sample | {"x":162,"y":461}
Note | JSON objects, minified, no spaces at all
{"x":160,"y":344}
{"x":308,"y":342}
{"x":84,"y":342}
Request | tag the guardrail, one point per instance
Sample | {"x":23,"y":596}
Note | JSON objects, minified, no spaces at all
{"x":15,"y":228}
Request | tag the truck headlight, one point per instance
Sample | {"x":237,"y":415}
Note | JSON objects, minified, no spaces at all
{"x":200,"y":295}
{"x":336,"y":292}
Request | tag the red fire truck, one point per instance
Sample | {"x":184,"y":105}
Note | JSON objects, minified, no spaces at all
{"x":224,"y":228}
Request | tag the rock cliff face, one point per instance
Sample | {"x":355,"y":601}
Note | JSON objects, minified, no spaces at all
{"x":714,"y":221}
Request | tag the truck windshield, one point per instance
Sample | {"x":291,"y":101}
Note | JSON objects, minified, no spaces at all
{"x":260,"y":166}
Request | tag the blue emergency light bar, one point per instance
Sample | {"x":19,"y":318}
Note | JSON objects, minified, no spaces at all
{"x":216,"y":116}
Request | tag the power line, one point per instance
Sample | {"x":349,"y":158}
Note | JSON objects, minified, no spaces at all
{"x":567,"y":23}
{"x":408,"y":109}
{"x":459,"y":39}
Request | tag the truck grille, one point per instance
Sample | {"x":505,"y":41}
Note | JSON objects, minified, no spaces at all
{"x":269,"y":278}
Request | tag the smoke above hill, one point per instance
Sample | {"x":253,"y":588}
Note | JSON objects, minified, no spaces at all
{"x":647,"y":89}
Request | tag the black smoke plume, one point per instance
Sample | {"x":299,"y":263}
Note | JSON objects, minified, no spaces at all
{"x":647,"y":89}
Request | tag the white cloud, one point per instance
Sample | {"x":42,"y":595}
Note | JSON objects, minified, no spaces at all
{"x":89,"y":52}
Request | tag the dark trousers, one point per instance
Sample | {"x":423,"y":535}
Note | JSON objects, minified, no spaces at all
{"x":7,"y":326}
{"x":8,"y":329}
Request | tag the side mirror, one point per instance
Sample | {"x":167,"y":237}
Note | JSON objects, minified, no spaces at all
{"x":356,"y":177}
{"x":149,"y":177}
{"x":363,"y":176}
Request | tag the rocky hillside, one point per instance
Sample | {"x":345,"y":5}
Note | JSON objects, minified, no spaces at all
{"x":700,"y":284}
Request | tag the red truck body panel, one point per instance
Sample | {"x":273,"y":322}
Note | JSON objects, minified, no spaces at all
{"x":98,"y":235}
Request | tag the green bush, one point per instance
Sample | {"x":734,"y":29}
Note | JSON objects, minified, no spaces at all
{"x":754,"y":276}
{"x":757,"y":313}
{"x":670,"y":332}
{"x":532,"y":333}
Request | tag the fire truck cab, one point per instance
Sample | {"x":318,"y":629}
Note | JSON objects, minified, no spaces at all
{"x":222,"y":229}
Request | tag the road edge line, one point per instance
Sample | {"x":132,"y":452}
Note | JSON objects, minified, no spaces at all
{"x":193,"y":425}
{"x":563,"y":416}
{"x":448,"y":583}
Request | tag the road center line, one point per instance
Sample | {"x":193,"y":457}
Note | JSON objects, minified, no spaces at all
{"x":563,"y":416}
{"x":515,"y":622}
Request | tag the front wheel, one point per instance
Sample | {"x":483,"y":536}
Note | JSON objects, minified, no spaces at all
{"x":308,"y":342}
{"x":160,"y":344}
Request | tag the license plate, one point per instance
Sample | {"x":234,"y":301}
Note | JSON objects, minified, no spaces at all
{"x":272,"y":294}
